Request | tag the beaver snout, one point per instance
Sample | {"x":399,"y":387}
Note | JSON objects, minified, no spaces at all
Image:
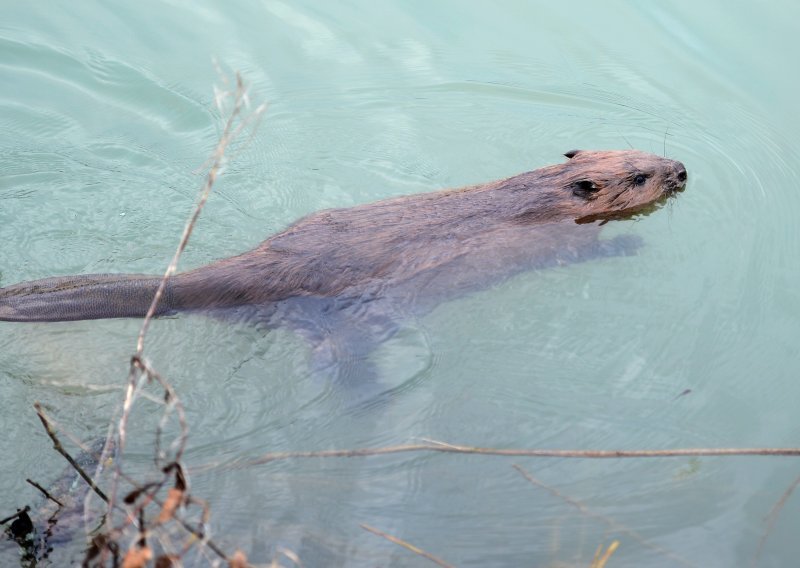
{"x":680,"y":172}
{"x":677,"y":178}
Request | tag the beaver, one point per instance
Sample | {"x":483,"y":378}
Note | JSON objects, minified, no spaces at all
{"x":329,"y":271}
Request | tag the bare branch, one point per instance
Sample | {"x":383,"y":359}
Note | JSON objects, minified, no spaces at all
{"x":772,"y":518}
{"x":407,"y":546}
{"x":60,"y":449}
{"x":26,"y":509}
{"x":444,"y":447}
{"x":44,"y":492}
{"x":232,"y":100}
{"x":609,"y":521}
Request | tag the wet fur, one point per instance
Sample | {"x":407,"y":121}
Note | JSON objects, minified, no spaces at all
{"x":392,"y":242}
{"x":415,"y":250}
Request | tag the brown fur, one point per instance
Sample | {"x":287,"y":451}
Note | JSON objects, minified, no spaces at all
{"x":396,"y":240}
{"x":413,"y":250}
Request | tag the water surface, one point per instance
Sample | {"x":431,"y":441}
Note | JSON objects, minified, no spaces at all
{"x":107,"y":112}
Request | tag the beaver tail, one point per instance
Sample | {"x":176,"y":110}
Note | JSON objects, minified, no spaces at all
{"x":92,"y":296}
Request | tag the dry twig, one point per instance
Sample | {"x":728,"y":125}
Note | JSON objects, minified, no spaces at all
{"x":772,"y":518}
{"x":25,"y":510}
{"x":44,"y":492}
{"x":443,"y":447}
{"x":280,"y":551}
{"x":609,"y":521}
{"x":60,"y":449}
{"x":141,"y":373}
{"x":407,"y":546}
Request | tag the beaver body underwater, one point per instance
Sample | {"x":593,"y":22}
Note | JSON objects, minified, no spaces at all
{"x":349,"y":272}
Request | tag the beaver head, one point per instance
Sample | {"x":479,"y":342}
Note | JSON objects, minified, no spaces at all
{"x":601,"y":185}
{"x":618,"y":184}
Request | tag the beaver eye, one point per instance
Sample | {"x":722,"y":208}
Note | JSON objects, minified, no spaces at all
{"x":640,"y":179}
{"x":584,"y":188}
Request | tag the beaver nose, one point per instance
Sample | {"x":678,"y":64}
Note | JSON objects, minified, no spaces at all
{"x":680,"y":172}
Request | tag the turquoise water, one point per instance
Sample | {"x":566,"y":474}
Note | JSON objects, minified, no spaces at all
{"x":107,"y":113}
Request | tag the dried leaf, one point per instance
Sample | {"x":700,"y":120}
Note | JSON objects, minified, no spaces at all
{"x":238,"y":560}
{"x":180,"y":479}
{"x":171,"y":504}
{"x":167,"y":561}
{"x":134,"y":495}
{"x":22,"y":525}
{"x":131,"y":497}
{"x":600,"y":561}
{"x":99,"y":542}
{"x":137,"y":557}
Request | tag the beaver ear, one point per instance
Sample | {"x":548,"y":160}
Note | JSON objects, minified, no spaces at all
{"x":572,"y":153}
{"x":584,"y":188}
